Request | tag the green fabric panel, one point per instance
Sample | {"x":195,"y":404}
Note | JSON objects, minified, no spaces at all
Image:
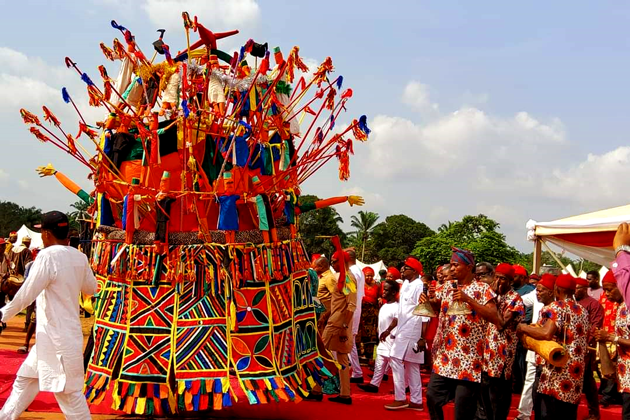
{"x":262,"y":213}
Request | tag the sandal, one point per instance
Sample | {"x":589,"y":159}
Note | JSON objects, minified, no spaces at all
{"x":22,"y":350}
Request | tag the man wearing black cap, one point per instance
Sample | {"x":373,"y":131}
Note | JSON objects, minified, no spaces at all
{"x":55,"y":363}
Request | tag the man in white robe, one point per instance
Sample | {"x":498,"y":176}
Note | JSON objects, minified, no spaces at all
{"x":357,"y":372}
{"x":55,"y":363}
{"x":407,"y":353}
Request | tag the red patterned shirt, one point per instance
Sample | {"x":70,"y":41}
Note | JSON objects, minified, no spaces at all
{"x":501,"y":345}
{"x":610,"y":313}
{"x":565,"y":383}
{"x":459,"y":353}
{"x":622,"y":330}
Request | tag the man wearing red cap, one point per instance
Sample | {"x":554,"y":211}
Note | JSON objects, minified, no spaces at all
{"x":596,"y":319}
{"x":458,"y":360}
{"x":500,"y":348}
{"x":407,"y":353}
{"x":521,"y":286}
{"x":608,"y":386}
{"x":544,"y":289}
{"x":566,"y":322}
{"x":620,"y":337}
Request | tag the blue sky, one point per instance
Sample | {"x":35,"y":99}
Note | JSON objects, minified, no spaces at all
{"x":515,"y":110}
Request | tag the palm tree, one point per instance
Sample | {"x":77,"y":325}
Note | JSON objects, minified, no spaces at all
{"x":364,"y":224}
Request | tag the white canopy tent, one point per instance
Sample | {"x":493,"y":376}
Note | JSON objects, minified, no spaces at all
{"x":376,"y":267}
{"x":588,"y":235}
{"x":36,"y":238}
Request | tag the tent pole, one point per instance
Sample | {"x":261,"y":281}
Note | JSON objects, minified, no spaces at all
{"x":537,"y":256}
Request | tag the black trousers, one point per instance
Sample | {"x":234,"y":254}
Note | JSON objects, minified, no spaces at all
{"x":590,"y":386}
{"x":625,"y":407}
{"x":496,"y":396}
{"x":554,"y":409}
{"x":608,"y":389}
{"x":519,"y":368}
{"x":438,"y":394}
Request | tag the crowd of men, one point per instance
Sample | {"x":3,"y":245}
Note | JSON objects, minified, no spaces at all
{"x":475,"y":325}
{"x":469,"y":323}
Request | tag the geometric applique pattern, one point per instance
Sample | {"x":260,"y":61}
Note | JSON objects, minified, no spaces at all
{"x":171,"y":326}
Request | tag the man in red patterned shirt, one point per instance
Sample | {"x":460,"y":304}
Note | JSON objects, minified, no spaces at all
{"x":500,"y":348}
{"x":566,"y":322}
{"x":608,"y":387}
{"x":621,"y":337}
{"x":458,"y":359}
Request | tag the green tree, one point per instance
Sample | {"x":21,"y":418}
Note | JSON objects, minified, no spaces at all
{"x":394,"y":239}
{"x":320,"y":222}
{"x":80,"y":213}
{"x":478,"y":234}
{"x":364,"y":224}
{"x":13,"y":216}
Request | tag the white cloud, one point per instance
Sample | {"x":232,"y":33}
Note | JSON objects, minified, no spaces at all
{"x":417,"y":96}
{"x":216,"y":15}
{"x":467,"y":139}
{"x":596,"y":179}
{"x":30,"y":82}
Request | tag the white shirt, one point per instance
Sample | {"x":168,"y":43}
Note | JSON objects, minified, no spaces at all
{"x":529,"y":300}
{"x":57,"y":278}
{"x":360,"y":278}
{"x":386,"y":315}
{"x":409,"y":328}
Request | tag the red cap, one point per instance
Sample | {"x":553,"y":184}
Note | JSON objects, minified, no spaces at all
{"x":609,"y":278}
{"x":547,"y":280}
{"x":566,"y":281}
{"x":368,"y":270}
{"x":505,"y":269}
{"x":581,"y":282}
{"x":519,"y":269}
{"x":534,"y":276}
{"x":315,"y":257}
{"x":415,"y":264}
{"x":394,"y":272}
{"x":2,"y":241}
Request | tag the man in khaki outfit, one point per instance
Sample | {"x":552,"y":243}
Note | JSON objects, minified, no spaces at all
{"x":338,"y":332}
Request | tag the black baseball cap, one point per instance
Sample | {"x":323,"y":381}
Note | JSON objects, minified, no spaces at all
{"x":54,"y":220}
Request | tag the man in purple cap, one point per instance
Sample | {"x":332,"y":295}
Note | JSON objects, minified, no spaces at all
{"x":458,"y":360}
{"x":55,"y":363}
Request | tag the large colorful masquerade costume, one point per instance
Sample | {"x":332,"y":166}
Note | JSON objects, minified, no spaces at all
{"x":202,"y":274}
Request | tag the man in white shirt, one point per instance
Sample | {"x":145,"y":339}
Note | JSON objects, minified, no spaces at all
{"x":357,"y":373}
{"x":407,"y":353}
{"x":55,"y":363}
{"x":386,"y":315}
{"x":527,"y":396}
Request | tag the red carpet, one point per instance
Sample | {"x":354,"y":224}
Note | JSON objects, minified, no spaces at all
{"x":364,"y":406}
